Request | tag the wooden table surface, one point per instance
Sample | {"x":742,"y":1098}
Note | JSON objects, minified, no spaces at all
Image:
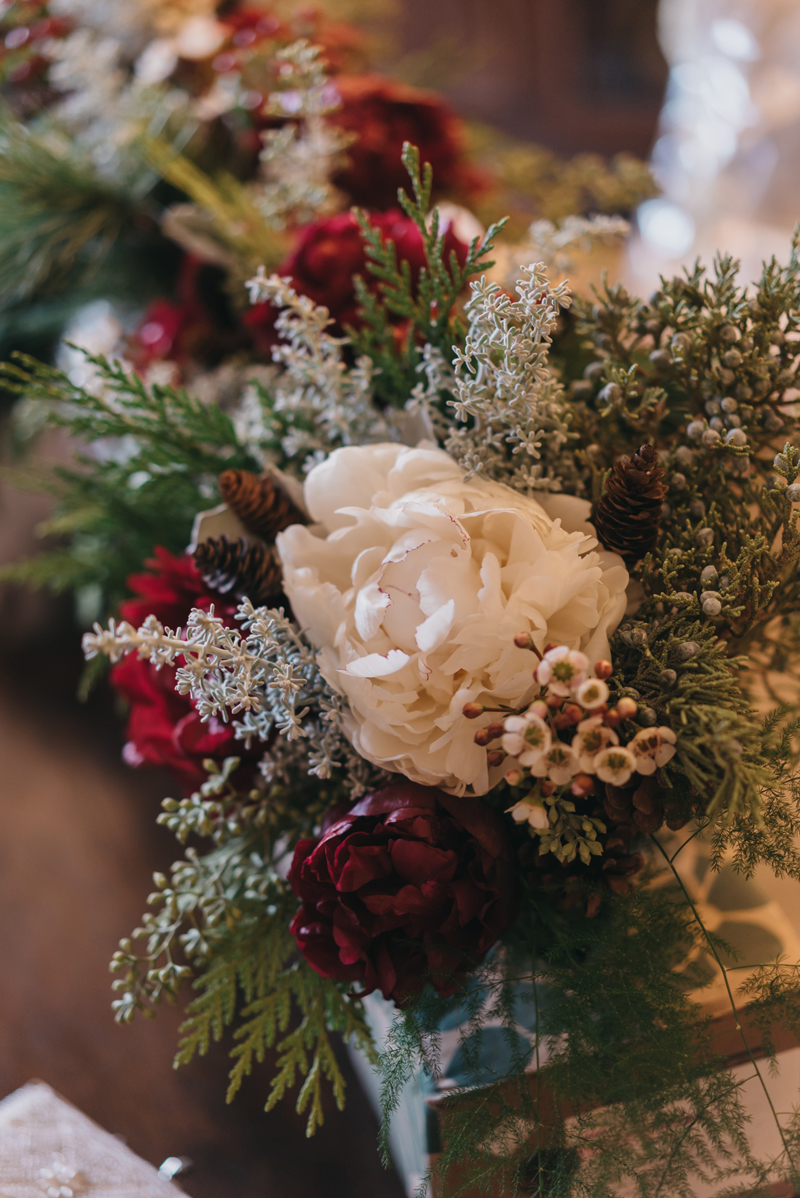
{"x":78,"y":846}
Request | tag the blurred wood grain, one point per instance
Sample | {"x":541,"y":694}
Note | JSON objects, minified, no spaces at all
{"x":574,"y":75}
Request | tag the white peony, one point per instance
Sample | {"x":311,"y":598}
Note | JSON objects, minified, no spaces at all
{"x":413,"y":584}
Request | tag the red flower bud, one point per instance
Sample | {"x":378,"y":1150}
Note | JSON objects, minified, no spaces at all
{"x":603,"y":669}
{"x":472,"y":710}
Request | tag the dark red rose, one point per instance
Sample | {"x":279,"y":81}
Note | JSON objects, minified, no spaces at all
{"x":383,"y":114}
{"x":163,"y":727}
{"x":326,"y":256}
{"x":410,"y":885}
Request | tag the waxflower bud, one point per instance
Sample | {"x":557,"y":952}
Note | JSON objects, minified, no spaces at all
{"x":603,"y":669}
{"x":473,"y":710}
{"x":582,"y":785}
{"x":627,"y":707}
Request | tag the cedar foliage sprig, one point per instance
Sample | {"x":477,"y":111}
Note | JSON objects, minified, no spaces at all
{"x":428,"y":308}
{"x":163,"y":451}
{"x":223,"y":921}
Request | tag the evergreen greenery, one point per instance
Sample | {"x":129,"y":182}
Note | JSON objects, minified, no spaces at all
{"x":157,"y":455}
{"x":629,"y":1086}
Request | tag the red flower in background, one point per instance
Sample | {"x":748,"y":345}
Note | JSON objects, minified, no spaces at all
{"x":410,"y":885}
{"x":329,"y":252}
{"x":383,"y":114}
{"x":184,"y":328}
{"x":163,"y":727}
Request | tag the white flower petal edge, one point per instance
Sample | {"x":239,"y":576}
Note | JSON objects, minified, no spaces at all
{"x":413,"y":584}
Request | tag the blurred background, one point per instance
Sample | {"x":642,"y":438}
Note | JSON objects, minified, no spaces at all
{"x":707,"y":91}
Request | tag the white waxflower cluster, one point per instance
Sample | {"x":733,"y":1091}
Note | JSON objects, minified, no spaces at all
{"x":110,"y":70}
{"x":573,"y":704}
{"x":506,"y":392}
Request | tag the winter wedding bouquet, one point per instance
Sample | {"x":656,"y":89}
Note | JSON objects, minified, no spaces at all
{"x":489,"y":614}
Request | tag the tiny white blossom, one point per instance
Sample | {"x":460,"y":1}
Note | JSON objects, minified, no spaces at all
{"x":526,"y":737}
{"x":592,"y":693}
{"x":560,"y":764}
{"x":652,"y":748}
{"x":530,"y":811}
{"x":592,"y":737}
{"x":615,"y":764}
{"x":562,"y":670}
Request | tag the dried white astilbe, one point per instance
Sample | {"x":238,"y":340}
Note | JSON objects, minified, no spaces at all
{"x":267,"y":671}
{"x":133,"y":22}
{"x":299,"y":159}
{"x":556,"y":245}
{"x":324,"y":401}
{"x":105,"y":107}
{"x":423,"y":405}
{"x":512,"y":415}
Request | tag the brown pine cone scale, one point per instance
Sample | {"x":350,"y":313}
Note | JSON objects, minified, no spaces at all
{"x":629,"y":512}
{"x":241,"y":568}
{"x":261,"y":504}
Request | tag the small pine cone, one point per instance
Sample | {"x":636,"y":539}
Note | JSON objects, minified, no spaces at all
{"x":261,"y":504}
{"x":628,"y":514}
{"x":240,"y":568}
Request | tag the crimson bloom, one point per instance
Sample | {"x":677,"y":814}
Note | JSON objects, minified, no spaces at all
{"x":383,"y":115}
{"x":410,"y":885}
{"x":329,"y":252}
{"x":163,"y":727}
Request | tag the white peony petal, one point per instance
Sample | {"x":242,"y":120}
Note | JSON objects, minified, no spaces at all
{"x":374,"y":665}
{"x":432,"y":632}
{"x":371,"y":605}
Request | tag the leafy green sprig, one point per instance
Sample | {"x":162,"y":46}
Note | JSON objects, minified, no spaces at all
{"x":223,"y":920}
{"x":428,"y":308}
{"x":158,"y":453}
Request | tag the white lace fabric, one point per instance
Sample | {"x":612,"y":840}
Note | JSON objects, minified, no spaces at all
{"x":50,"y":1149}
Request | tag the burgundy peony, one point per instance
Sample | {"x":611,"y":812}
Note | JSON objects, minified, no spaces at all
{"x":163,"y":727}
{"x":410,"y":885}
{"x":329,"y":252}
{"x":383,"y":115}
